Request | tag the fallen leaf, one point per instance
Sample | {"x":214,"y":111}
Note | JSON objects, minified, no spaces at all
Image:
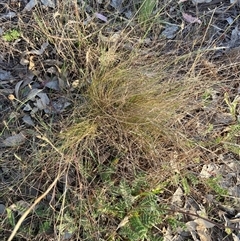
{"x":8,"y":15}
{"x":203,"y":233}
{"x":170,"y":31}
{"x":111,"y":39}
{"x":32,"y":94}
{"x":24,"y":61}
{"x":191,"y":226}
{"x":52,"y":70}
{"x":48,"y":3}
{"x":27,"y":107}
{"x":13,"y":141}
{"x":17,"y":87}
{"x":31,"y":4}
{"x":167,"y":234}
{"x":40,"y":51}
{"x":67,"y":235}
{"x":58,"y":106}
{"x":235,"y":36}
{"x":128,"y":14}
{"x":6,"y":91}
{"x":230,"y":20}
{"x":182,"y":1}
{"x":34,"y":111}
{"x":43,"y":102}
{"x":2,"y":208}
{"x":177,"y":198}
{"x":199,"y":226}
{"x":204,"y":223}
{"x":5,"y":75}
{"x":117,"y":4}
{"x":190,"y":19}
{"x":223,"y":119}
{"x":209,"y":170}
{"x":28,"y":120}
{"x":101,"y":17}
{"x":200,"y":1}
{"x":53,"y":85}
{"x":62,"y":82}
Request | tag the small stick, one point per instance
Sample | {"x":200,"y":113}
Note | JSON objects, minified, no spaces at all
{"x":32,"y":207}
{"x":196,"y":215}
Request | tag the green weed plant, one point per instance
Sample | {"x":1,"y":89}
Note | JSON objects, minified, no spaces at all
{"x":11,"y":35}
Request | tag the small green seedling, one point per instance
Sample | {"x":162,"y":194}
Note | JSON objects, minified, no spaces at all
{"x":10,"y":217}
{"x":232,"y":105}
{"x":206,"y":96}
{"x":213,"y":183}
{"x":11,"y":35}
{"x":146,"y":10}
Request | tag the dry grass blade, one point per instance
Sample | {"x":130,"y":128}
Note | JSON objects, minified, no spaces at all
{"x":38,"y":200}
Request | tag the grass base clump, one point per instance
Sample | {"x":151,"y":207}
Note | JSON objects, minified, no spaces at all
{"x":118,"y":135}
{"x":124,"y":112}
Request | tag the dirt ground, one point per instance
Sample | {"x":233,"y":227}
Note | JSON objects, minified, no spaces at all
{"x":51,"y":52}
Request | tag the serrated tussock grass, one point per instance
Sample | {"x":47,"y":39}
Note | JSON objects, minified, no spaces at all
{"x":119,"y":134}
{"x":127,"y":114}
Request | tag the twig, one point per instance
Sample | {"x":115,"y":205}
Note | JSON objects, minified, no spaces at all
{"x":20,"y":221}
{"x":196,"y":215}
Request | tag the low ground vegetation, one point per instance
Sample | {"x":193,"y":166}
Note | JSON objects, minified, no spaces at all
{"x":115,"y":126}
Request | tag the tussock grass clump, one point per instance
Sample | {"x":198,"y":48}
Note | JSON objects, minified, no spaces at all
{"x":113,"y":141}
{"x":124,"y":137}
{"x":123,"y":142}
{"x":127,"y":112}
